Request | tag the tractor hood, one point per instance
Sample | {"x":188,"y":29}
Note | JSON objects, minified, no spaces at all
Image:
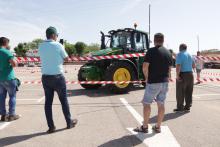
{"x":108,"y":51}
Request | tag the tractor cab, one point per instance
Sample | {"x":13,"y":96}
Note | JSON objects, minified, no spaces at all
{"x":128,"y":39}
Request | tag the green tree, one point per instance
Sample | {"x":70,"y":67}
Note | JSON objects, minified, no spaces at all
{"x":35,"y":43}
{"x":92,"y":47}
{"x":70,"y":48}
{"x":21,"y":49}
{"x":80,"y":47}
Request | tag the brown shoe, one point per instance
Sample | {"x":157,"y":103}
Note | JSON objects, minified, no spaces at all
{"x":4,"y":118}
{"x":13,"y":117}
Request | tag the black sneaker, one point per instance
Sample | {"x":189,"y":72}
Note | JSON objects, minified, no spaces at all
{"x":4,"y":118}
{"x":13,"y":117}
{"x":178,"y":110}
{"x":72,"y":124}
{"x":186,"y":109}
{"x":51,"y":130}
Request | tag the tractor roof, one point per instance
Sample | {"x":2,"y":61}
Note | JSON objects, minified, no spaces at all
{"x":126,"y":30}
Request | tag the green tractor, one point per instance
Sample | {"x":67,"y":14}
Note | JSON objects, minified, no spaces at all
{"x":122,"y":41}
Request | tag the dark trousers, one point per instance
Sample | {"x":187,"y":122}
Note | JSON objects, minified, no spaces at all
{"x":184,"y":90}
{"x":51,"y":84}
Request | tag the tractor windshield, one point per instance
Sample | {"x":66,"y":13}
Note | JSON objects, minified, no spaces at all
{"x":121,"y":40}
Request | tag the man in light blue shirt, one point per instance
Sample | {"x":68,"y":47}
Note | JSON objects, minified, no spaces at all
{"x":52,"y":55}
{"x":185,"y":60}
{"x":184,"y":79}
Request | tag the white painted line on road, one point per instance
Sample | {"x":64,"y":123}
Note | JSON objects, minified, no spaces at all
{"x":136,"y":115}
{"x":214,"y":94}
{"x":163,"y":139}
{"x":215,"y":85}
{"x":41,"y":99}
{"x":196,"y":97}
{"x":4,"y":124}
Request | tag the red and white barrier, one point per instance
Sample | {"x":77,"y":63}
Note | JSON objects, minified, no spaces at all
{"x":31,"y":59}
{"x":114,"y":82}
{"x":124,"y":56}
{"x":210,"y":74}
{"x":208,"y":58}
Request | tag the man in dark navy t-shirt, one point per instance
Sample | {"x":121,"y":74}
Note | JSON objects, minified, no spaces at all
{"x":156,"y":68}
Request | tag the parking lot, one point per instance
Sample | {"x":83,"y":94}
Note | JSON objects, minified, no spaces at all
{"x":107,"y":120}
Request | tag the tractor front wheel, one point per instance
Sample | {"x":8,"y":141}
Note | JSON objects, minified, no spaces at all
{"x":120,"y":71}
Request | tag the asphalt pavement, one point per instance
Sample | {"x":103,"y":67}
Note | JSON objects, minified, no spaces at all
{"x":107,"y":120}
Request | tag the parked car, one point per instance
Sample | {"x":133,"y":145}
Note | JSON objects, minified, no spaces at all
{"x":30,"y":64}
{"x":212,"y":64}
{"x":20,"y":64}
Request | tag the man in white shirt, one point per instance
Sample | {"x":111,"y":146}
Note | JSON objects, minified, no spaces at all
{"x":199,"y":66}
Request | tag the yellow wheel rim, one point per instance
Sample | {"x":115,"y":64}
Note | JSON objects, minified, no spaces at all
{"x":122,"y":74}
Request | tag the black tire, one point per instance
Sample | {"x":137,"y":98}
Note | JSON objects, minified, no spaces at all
{"x":87,"y":86}
{"x":110,"y":73}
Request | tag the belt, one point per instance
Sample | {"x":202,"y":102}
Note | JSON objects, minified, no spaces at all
{"x":52,"y":75}
{"x":187,"y":72}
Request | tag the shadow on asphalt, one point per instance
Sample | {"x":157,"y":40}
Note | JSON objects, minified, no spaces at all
{"x":128,"y":141}
{"x":168,"y":116}
{"x":101,"y":92}
{"x":20,"y":138}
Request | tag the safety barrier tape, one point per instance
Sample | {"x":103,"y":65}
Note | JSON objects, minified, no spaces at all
{"x":207,"y":58}
{"x":39,"y":71}
{"x":210,"y":74}
{"x":33,"y":59}
{"x":27,"y":71}
{"x":115,"y":82}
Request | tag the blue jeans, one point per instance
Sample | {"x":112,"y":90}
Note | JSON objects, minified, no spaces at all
{"x":51,"y":84}
{"x":10,"y":87}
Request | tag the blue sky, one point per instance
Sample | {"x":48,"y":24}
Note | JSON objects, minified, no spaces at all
{"x":81,"y":20}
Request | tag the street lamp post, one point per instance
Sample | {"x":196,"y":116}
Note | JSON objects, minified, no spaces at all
{"x":198,"y":43}
{"x":149,"y":23}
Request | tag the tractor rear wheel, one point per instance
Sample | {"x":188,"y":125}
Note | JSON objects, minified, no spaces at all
{"x":120,"y":71}
{"x":87,"y":86}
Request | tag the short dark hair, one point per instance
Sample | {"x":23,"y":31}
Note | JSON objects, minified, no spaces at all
{"x":159,"y":36}
{"x":51,"y":31}
{"x":3,"y":41}
{"x":183,"y":47}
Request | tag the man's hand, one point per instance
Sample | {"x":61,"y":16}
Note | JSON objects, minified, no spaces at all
{"x":13,"y":63}
{"x":178,"y":66}
{"x":145,"y":70}
{"x":146,"y":80}
{"x":66,"y":59}
{"x":178,"y":78}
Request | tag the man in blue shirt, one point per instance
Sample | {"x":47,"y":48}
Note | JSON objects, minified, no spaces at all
{"x":185,"y":79}
{"x":52,"y":55}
